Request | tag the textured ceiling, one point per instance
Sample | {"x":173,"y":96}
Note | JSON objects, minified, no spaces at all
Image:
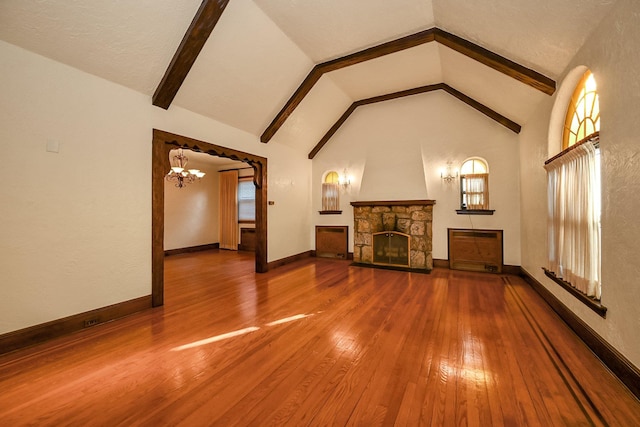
{"x":261,"y":50}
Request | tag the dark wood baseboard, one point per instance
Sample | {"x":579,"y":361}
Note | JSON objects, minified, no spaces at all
{"x":288,"y":260}
{"x":192,"y":249}
{"x":440,"y":263}
{"x":506,"y":269}
{"x":39,"y":333}
{"x":392,"y":267}
{"x":616,"y":362}
{"x":349,"y":255}
{"x":511,"y":269}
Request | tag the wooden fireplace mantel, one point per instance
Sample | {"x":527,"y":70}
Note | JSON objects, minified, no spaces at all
{"x":395,"y":203}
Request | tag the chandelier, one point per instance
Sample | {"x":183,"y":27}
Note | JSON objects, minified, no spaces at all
{"x":179,"y":174}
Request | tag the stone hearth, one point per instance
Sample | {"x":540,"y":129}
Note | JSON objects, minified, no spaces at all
{"x":412,"y":217}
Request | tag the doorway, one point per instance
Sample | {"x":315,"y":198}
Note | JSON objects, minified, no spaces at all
{"x":163,"y":143}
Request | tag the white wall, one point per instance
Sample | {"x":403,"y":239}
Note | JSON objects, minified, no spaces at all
{"x":76,"y":225}
{"x":612,"y":54}
{"x":191,"y":213}
{"x":395,"y":150}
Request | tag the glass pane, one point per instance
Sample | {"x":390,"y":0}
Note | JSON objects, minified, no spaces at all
{"x":590,"y":84}
{"x":590,"y":100}
{"x":596,"y":110}
{"x":581,"y":133}
{"x":479,"y":167}
{"x":246,"y":201}
{"x":589,"y":127}
{"x":331,"y":178}
{"x":575,"y":124}
{"x":580,"y":109}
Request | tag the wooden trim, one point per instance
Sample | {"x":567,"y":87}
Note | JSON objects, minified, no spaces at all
{"x":465,"y":47}
{"x":56,"y":328}
{"x":191,"y":249}
{"x":395,"y":203}
{"x":440,"y":263}
{"x":511,"y":269}
{"x":589,"y":302}
{"x":393,"y":267}
{"x":192,"y":43}
{"x":593,"y":136}
{"x":163,"y":142}
{"x":506,"y":269}
{"x":499,"y":63}
{"x":349,"y":255}
{"x":235,"y":169}
{"x":327,"y":136}
{"x":509,"y":124}
{"x":355,"y":58}
{"x":475,"y":211}
{"x":612,"y":358}
{"x":288,"y":260}
{"x":494,"y":115}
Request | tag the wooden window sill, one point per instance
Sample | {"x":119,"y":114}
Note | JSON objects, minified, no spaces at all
{"x":592,"y":303}
{"x":475,"y":211}
{"x":330,"y":212}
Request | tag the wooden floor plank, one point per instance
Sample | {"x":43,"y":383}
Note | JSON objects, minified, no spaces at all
{"x":321,"y":343}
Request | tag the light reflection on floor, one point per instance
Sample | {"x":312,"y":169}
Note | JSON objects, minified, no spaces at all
{"x":240,"y":332}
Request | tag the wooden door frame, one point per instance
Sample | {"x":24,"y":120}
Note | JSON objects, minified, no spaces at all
{"x":163,"y":143}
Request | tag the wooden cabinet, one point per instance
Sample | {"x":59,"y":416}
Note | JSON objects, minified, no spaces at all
{"x":247,"y":239}
{"x":332,"y":241}
{"x":475,"y":250}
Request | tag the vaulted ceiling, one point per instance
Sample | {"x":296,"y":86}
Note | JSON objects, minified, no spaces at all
{"x":261,"y":51}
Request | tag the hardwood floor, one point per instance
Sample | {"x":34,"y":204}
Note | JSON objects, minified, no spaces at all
{"x":319,"y":342}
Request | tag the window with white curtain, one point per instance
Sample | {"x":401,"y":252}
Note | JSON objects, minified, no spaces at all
{"x":574,"y":195}
{"x":331,"y":192}
{"x":474,"y":185}
{"x":246,"y":200}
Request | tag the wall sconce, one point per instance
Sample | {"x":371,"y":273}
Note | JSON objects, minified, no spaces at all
{"x":447,"y":175}
{"x":344,"y":180}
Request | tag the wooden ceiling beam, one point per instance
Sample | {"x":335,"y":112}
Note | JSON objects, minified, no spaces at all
{"x":192,"y":43}
{"x":499,"y":63}
{"x":509,"y":124}
{"x":336,"y":64}
{"x":465,"y":47}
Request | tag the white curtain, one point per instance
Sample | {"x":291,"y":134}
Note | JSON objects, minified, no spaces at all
{"x":574,"y":218}
{"x":330,"y":196}
{"x":476,"y":189}
{"x":229,"y":210}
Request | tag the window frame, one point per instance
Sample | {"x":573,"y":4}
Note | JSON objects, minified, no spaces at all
{"x":330,"y":194}
{"x":464,"y":193}
{"x":574,"y":125}
{"x":253,"y":199}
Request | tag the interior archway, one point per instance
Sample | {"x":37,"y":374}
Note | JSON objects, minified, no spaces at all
{"x":163,"y":142}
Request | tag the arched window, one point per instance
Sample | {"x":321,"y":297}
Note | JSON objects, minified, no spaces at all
{"x":331,"y":192}
{"x":573,"y":182}
{"x":474,"y":184}
{"x":583,"y":112}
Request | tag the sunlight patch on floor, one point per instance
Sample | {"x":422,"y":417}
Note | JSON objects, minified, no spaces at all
{"x":240,"y":332}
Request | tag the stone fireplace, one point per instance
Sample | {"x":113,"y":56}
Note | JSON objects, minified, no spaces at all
{"x":392,"y":233}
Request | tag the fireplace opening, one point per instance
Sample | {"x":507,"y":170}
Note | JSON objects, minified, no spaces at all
{"x":391,"y":248}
